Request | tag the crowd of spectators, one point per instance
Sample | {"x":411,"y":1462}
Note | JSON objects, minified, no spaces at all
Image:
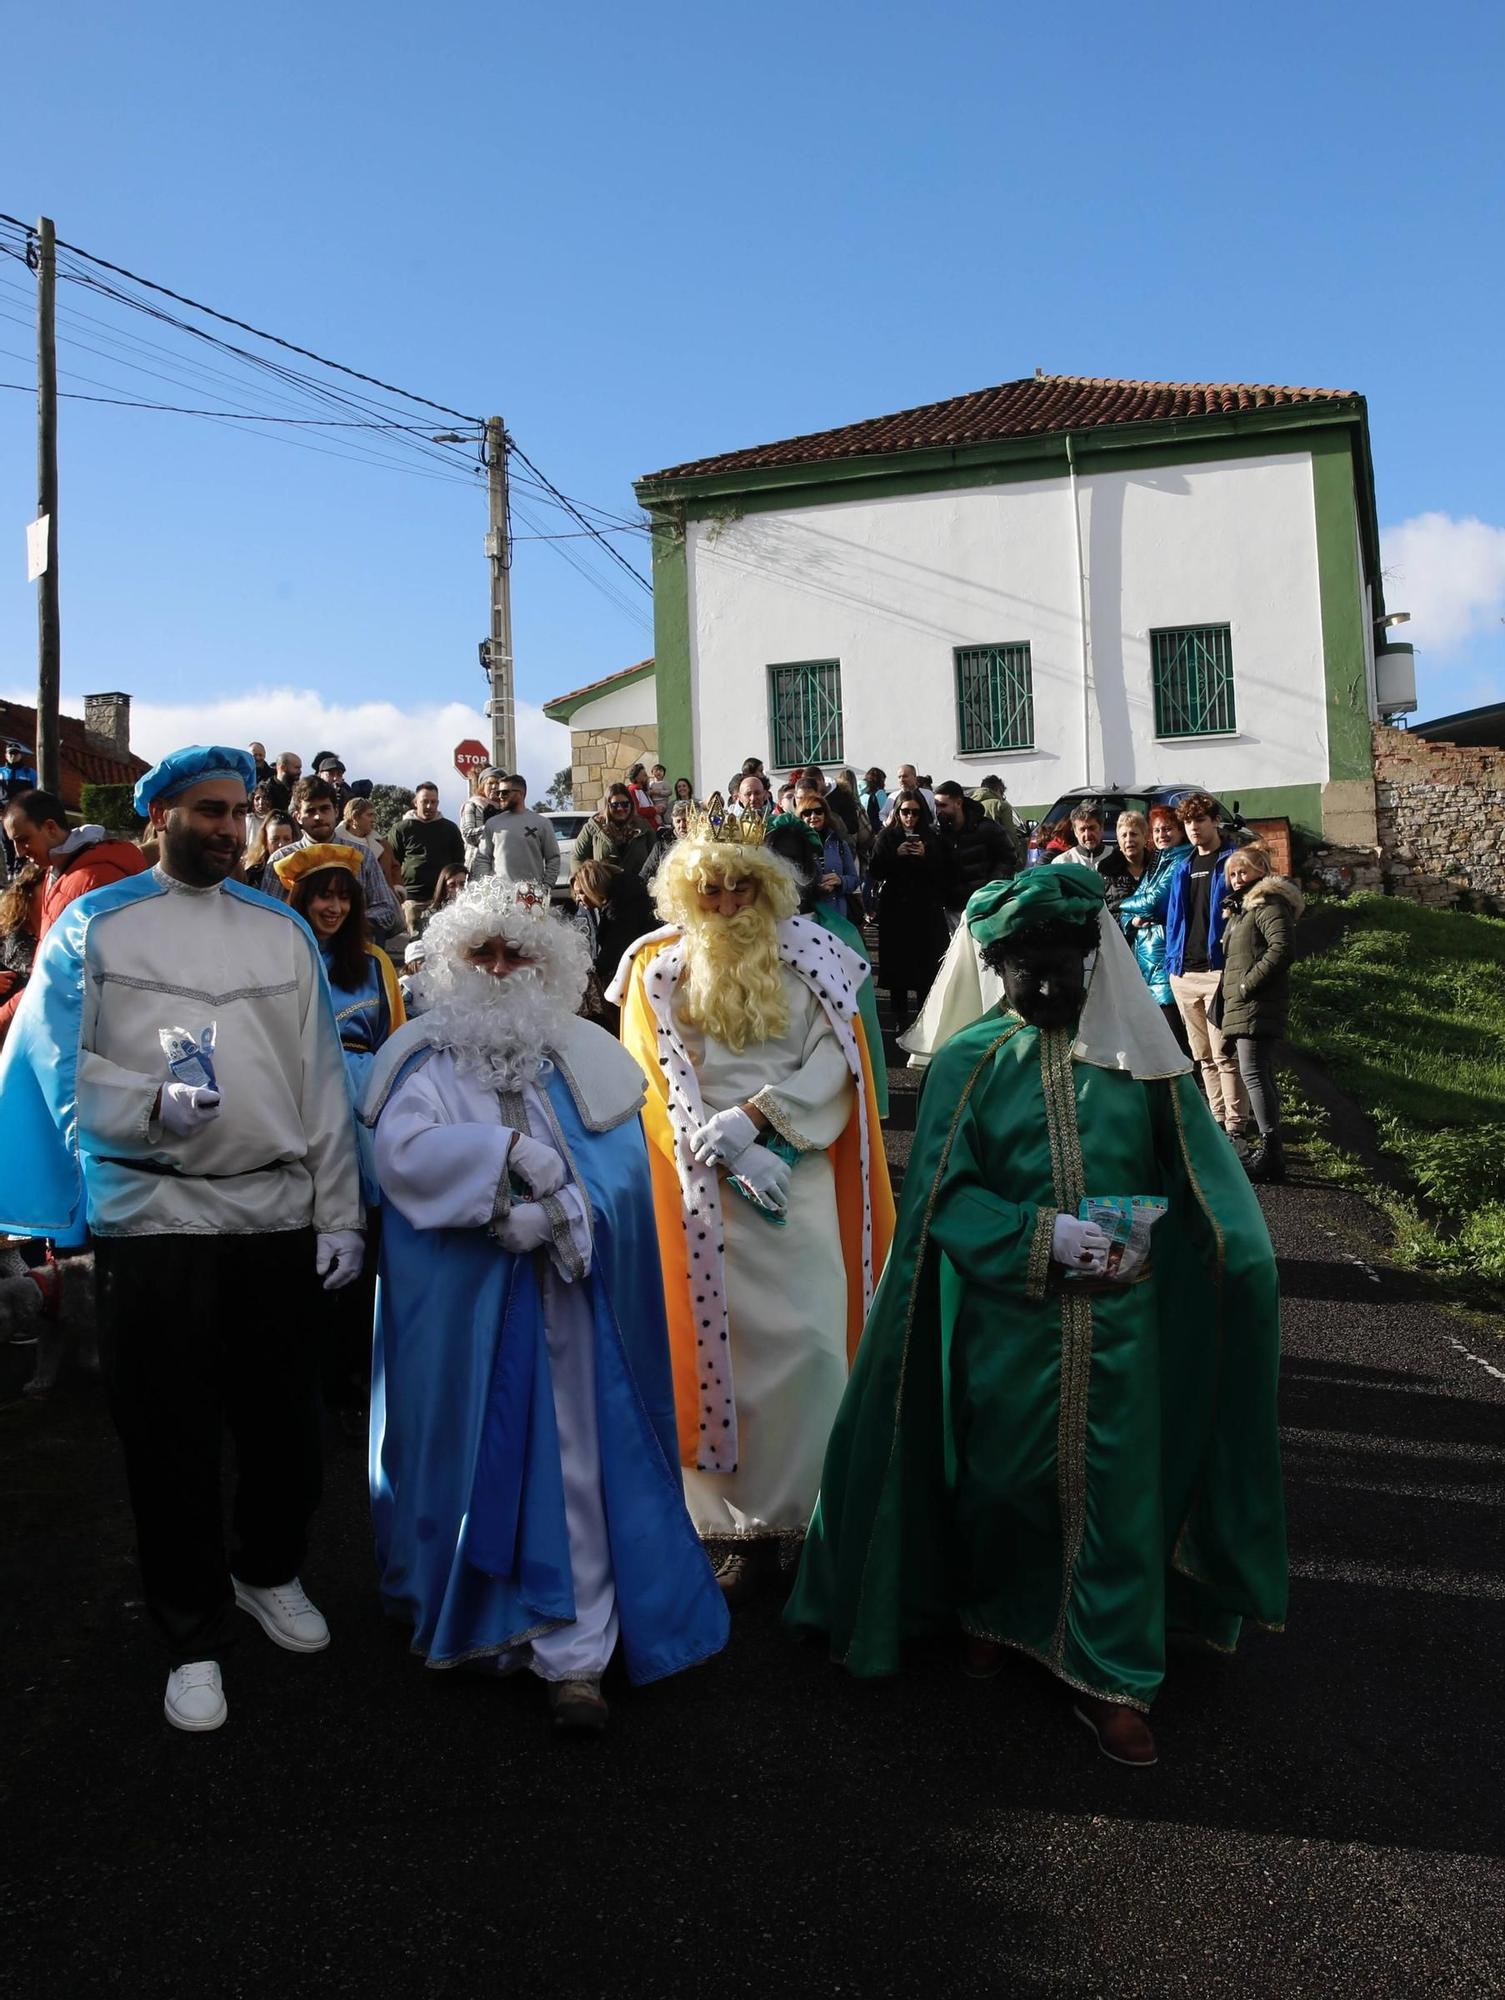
{"x":1207,"y":918}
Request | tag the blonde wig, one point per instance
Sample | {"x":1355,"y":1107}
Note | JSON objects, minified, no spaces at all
{"x":733,"y":986}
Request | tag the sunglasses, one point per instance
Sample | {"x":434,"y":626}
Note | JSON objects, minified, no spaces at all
{"x":812,"y":812}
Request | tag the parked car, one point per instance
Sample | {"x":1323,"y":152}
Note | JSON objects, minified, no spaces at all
{"x":1115,"y":799}
{"x":566,"y":826}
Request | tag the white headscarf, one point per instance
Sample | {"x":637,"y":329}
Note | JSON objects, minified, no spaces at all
{"x":1121,"y":1026}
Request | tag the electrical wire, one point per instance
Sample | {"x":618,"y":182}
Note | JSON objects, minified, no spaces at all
{"x":245,"y":326}
{"x":570,"y":508}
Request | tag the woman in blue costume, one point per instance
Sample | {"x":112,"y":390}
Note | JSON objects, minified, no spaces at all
{"x":324,"y":884}
{"x":524,"y":1468}
{"x":1142,"y":913}
{"x":803,"y":845}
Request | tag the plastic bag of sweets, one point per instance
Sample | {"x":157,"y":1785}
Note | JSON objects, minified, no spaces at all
{"x":1126,"y":1220}
{"x":190,"y":1058}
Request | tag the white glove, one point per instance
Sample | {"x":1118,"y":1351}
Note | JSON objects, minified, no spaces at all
{"x":185,"y":1108}
{"x":537,"y":1166}
{"x":765,"y":1172}
{"x":526,"y":1226}
{"x":1080,"y":1246}
{"x":724,"y":1137}
{"x":341,"y":1254}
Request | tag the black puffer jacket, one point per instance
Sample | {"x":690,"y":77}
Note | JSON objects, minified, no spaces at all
{"x":1258,"y":929}
{"x":980,"y":852}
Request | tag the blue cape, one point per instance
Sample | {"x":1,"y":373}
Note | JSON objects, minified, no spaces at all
{"x":43,"y":1158}
{"x":466,"y":1492}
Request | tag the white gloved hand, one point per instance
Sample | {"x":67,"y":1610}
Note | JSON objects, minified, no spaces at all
{"x":186,"y":1108}
{"x":724,"y":1137}
{"x":1080,"y":1246}
{"x":526,"y":1226}
{"x":765,"y":1172}
{"x":339,"y":1254}
{"x":537,"y":1166}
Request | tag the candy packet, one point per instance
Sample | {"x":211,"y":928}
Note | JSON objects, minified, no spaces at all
{"x":1126,"y":1220}
{"x":190,"y":1060}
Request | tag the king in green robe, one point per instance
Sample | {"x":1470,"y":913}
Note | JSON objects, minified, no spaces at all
{"x":1068,"y":1466}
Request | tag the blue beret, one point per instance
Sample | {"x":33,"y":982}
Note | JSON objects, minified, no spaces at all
{"x":193,"y":766}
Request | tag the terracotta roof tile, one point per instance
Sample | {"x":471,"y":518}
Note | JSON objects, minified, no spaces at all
{"x":1039,"y":405}
{"x":79,"y":762}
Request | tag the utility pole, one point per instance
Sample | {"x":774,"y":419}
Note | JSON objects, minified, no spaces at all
{"x":49,"y":629}
{"x":499,"y":644}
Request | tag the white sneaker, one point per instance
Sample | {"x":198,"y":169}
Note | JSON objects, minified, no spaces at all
{"x":283,"y":1612}
{"x":195,"y":1698}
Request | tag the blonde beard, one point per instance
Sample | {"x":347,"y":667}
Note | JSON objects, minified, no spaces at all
{"x":733,"y":986}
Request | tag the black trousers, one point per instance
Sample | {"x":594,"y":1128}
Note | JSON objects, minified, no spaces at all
{"x":199,"y":1335}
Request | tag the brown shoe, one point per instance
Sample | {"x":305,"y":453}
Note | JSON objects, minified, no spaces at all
{"x":577,"y":1707}
{"x":738,"y":1575}
{"x":982,"y":1658}
{"x":1122,"y":1733}
{"x":752,"y":1563}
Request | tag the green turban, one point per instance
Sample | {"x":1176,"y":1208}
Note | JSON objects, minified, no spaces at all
{"x":1069,"y":894}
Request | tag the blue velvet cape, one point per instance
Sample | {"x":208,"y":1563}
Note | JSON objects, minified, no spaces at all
{"x":466,"y":1493}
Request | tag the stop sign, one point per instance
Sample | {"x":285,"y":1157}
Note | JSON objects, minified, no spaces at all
{"x":470,"y":756}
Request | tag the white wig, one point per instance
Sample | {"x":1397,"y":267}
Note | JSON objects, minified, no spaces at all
{"x":500,"y":1026}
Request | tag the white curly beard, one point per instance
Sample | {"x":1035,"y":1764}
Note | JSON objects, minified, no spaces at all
{"x":498,"y":1030}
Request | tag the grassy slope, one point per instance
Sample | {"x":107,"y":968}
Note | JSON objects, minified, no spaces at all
{"x":1406,"y":1009}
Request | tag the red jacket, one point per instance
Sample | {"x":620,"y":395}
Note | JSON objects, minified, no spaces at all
{"x":90,"y":867}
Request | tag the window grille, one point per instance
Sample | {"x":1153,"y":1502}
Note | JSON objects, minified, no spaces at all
{"x":1193,"y":673}
{"x":995,"y":701}
{"x":804,"y":702}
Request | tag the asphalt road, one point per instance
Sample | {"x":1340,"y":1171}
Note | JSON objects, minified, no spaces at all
{"x":1326,"y":1818}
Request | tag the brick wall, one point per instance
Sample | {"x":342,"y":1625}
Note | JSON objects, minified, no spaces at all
{"x":597,"y":756}
{"x":1440,"y":817}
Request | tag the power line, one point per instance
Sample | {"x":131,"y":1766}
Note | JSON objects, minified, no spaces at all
{"x":571,"y":509}
{"x":357,"y":456}
{"x":245,"y":326}
{"x":238,"y":416}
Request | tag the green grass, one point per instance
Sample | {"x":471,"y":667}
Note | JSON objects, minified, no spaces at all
{"x":1406,"y":1010}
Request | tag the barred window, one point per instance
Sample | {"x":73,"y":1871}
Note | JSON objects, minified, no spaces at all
{"x":804,"y":706}
{"x":1193,"y":674}
{"x":995,"y":700}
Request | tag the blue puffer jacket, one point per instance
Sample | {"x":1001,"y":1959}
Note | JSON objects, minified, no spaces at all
{"x":1175,"y":916}
{"x":1151,"y":900}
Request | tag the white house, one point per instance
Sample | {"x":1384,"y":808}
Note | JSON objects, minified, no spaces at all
{"x":1067,"y":580}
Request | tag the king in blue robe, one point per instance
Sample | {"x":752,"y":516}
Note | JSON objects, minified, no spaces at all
{"x":524,"y":1484}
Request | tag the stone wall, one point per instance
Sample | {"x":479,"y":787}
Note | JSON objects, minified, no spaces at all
{"x":1440,"y":819}
{"x":597,"y":756}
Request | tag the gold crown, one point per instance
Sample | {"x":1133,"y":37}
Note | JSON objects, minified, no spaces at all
{"x":713,"y":822}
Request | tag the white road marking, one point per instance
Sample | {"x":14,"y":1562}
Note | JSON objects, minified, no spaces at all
{"x":1478,"y":1360}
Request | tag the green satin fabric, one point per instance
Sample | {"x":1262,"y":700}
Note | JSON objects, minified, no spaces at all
{"x":1069,"y":1472}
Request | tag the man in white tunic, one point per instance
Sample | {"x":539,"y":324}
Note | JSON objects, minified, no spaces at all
{"x":174,"y":1082}
{"x":771,"y":1188}
{"x":523,"y":1483}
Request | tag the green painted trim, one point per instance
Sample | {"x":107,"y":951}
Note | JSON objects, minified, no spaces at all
{"x":1043,"y":461}
{"x":1300,"y":804}
{"x":1106,"y":440}
{"x":1340,"y":588}
{"x":566,"y":705}
{"x":671,"y":648}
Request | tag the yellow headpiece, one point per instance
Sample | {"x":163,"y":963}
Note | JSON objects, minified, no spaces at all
{"x":294,"y":864}
{"x":712,"y":822}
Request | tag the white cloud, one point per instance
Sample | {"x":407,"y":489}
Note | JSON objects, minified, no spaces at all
{"x":1449,"y":574}
{"x":376,"y":739}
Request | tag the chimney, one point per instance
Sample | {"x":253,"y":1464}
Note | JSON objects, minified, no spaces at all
{"x":107,"y":721}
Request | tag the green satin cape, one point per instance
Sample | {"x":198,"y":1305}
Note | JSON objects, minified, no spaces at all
{"x":1070,"y":1471}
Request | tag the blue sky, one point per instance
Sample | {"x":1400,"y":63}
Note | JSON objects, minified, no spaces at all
{"x":644,"y":235}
